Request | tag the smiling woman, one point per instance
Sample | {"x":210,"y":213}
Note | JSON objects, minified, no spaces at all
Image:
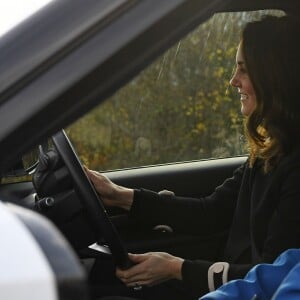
{"x":15,"y":11}
{"x":258,"y":206}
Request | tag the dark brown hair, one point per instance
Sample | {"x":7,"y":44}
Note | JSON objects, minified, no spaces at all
{"x":271,"y":48}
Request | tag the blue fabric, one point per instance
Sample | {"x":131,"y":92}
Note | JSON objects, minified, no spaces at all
{"x":277,"y":281}
{"x":290,"y":287}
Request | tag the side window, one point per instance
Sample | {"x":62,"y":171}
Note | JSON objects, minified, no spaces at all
{"x":180,"y":108}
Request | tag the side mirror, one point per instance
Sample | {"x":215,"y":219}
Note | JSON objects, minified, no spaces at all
{"x":25,"y":165}
{"x":17,"y":170}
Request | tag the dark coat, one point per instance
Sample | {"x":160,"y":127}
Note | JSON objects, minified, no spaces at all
{"x":260,"y":211}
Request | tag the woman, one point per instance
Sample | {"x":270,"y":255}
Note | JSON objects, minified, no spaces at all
{"x":259,"y":206}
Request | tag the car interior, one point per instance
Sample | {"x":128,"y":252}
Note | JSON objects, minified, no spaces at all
{"x":42,"y":169}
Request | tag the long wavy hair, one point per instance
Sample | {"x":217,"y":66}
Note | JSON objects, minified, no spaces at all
{"x":271,"y":49}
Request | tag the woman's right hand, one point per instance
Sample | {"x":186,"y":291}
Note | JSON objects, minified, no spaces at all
{"x":111,"y":193}
{"x":151,"y":268}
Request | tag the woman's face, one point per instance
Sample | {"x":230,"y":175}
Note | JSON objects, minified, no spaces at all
{"x":242,"y":82}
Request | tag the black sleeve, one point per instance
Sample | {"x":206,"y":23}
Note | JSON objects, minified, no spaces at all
{"x":194,"y":274}
{"x":195,"y":216}
{"x":284,"y":229}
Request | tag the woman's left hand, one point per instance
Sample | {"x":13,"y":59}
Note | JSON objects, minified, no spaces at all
{"x":151,"y":268}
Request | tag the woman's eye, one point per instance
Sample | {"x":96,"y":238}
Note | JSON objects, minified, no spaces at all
{"x":242,"y":70}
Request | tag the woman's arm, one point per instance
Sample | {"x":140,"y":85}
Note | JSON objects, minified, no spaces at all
{"x":284,"y":227}
{"x":195,"y":274}
{"x":189,"y":215}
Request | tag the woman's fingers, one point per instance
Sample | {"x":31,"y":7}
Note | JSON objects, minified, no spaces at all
{"x":93,"y":175}
{"x":138,"y":258}
{"x":136,"y":272}
{"x":151,"y":268}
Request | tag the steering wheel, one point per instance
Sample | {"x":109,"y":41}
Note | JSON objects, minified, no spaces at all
{"x":91,"y":200}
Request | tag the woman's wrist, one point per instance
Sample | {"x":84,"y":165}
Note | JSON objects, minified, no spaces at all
{"x":125,"y":197}
{"x":176,"y":267}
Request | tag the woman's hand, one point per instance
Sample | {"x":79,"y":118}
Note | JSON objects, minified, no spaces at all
{"x":111,"y":193}
{"x":151,"y":268}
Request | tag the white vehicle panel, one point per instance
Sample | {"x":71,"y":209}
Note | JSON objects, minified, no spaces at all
{"x":25,"y":272}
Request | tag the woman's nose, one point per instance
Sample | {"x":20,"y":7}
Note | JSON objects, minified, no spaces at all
{"x":234,"y":81}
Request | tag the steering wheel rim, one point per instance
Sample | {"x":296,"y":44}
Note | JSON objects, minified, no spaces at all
{"x":91,"y":200}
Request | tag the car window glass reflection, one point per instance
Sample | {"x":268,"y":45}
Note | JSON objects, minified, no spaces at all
{"x":180,"y":108}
